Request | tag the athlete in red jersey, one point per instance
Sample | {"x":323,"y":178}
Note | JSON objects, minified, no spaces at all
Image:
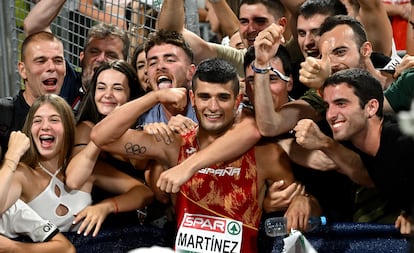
{"x":228,"y":196}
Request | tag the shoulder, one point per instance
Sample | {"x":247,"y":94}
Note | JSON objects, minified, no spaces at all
{"x":24,"y":174}
{"x":83,"y":130}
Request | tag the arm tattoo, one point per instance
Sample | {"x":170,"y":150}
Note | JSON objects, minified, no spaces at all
{"x":135,"y":149}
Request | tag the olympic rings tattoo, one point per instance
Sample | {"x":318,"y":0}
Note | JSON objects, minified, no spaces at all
{"x":135,"y":149}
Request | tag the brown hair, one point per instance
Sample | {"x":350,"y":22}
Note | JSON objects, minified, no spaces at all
{"x":32,"y":157}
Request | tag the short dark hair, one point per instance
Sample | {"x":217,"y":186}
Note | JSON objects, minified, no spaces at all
{"x":334,"y":21}
{"x":324,"y":7}
{"x":168,"y":37}
{"x":364,"y":84}
{"x":282,"y":53}
{"x":274,"y":6}
{"x":216,"y":70}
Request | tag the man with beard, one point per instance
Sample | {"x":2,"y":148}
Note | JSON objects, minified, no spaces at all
{"x":169,"y":65}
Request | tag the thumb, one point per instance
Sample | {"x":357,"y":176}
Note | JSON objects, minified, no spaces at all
{"x":326,"y":51}
{"x":277,"y":185}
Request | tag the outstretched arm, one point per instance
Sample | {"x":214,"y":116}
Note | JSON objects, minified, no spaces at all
{"x":171,"y":18}
{"x":227,"y":19}
{"x":42,"y":15}
{"x":86,"y":7}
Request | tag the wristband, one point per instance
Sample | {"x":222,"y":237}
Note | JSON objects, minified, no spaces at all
{"x":260,"y":71}
{"x":115,"y":205}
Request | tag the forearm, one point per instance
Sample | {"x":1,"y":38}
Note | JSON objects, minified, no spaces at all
{"x":348,"y":162}
{"x":228,"y":20}
{"x":136,"y":198}
{"x":121,"y":119}
{"x":58,"y":243}
{"x":244,"y":133}
{"x":315,"y":159}
{"x":6,"y":177}
{"x":42,"y":15}
{"x":375,"y":19}
{"x":273,"y":123}
{"x":87,"y":8}
{"x":266,"y":118}
{"x":81,"y":166}
{"x":171,"y":16}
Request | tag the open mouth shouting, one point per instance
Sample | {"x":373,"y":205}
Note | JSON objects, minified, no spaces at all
{"x":164,"y":82}
{"x":46,"y":141}
{"x":50,"y":84}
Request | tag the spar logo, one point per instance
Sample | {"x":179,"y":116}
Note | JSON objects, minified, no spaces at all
{"x":205,"y":223}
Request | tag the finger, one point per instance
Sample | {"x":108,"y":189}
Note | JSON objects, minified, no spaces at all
{"x":78,"y":218}
{"x":290,"y":223}
{"x":89,"y":228}
{"x":83,"y":225}
{"x":166,"y":134}
{"x":276,"y":185}
{"x":175,"y":188}
{"x":161,"y":135}
{"x":309,"y":67}
{"x":297,"y":191}
{"x":97,"y":228}
{"x":169,"y":187}
{"x":160,"y":180}
{"x":162,"y":184}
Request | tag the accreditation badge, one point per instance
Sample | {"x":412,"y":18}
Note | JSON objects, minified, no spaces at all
{"x":207,"y":234}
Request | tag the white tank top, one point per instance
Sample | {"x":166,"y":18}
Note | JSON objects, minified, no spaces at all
{"x":47,"y":202}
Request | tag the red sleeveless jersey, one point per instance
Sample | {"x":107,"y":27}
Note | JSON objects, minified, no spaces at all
{"x":226,"y":190}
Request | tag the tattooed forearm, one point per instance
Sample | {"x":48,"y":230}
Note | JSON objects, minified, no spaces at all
{"x":135,"y":149}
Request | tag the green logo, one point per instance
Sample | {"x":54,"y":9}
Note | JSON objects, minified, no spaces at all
{"x":233,"y":228}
